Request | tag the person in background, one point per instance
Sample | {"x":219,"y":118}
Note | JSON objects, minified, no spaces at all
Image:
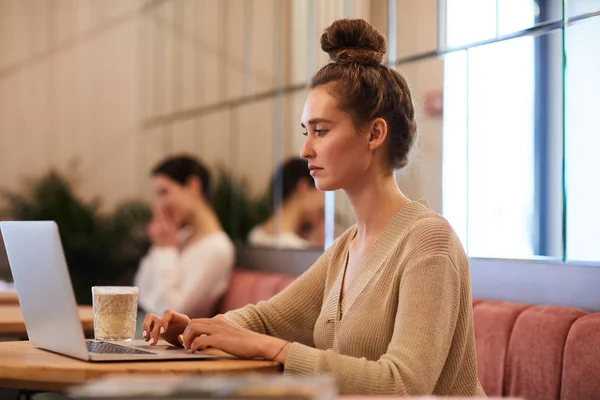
{"x":301,"y":215}
{"x":189,"y":264}
{"x":387,"y":308}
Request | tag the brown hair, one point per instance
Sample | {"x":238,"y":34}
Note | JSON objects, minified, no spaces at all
{"x":182,"y":167}
{"x":364,"y":87}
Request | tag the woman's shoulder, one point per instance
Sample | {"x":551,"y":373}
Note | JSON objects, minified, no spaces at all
{"x":288,"y":240}
{"x":431,"y":233}
{"x":258,"y":236}
{"x":216,"y":242}
{"x":430,"y":222}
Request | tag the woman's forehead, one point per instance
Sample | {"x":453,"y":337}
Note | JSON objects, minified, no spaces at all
{"x":320,"y":104}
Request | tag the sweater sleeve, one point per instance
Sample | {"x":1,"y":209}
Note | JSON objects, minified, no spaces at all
{"x":428,"y":307}
{"x":292,"y":313}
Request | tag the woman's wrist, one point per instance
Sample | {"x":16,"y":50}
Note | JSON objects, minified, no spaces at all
{"x":282,"y":354}
{"x":275,"y":349}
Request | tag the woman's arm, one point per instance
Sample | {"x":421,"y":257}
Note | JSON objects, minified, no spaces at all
{"x":291,"y":314}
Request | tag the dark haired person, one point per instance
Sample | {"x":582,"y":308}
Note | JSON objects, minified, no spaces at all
{"x":302,"y":205}
{"x":189,"y":265}
{"x":387,"y":308}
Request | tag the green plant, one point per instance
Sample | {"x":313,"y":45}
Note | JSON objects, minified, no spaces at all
{"x":101,"y":249}
{"x":235,"y":208}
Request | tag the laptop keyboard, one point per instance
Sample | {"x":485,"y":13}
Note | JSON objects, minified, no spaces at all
{"x":111,"y":348}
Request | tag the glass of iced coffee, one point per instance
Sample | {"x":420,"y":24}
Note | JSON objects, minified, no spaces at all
{"x":115,"y":312}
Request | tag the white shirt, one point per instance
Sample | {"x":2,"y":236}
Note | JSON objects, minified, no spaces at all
{"x":190,"y":281}
{"x":258,"y":237}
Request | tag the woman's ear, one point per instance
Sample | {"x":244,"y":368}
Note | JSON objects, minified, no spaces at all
{"x":378,"y":132}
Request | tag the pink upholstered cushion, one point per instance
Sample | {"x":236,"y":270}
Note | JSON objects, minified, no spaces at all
{"x":494,"y":321}
{"x":477,"y":301}
{"x":250,"y":287}
{"x":535,"y":353}
{"x":581,"y":366}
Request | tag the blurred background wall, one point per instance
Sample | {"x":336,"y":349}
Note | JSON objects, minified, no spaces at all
{"x":113,"y":86}
{"x":104,"y":89}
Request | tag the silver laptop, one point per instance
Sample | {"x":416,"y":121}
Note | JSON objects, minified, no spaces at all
{"x":39,"y":269}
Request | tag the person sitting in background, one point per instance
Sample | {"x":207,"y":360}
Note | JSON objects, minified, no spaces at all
{"x":189,"y":264}
{"x":302,"y":207}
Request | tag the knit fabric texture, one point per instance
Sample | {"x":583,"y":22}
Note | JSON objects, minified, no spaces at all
{"x":404,"y":325}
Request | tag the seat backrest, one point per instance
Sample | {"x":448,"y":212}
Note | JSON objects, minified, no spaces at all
{"x":494,"y":321}
{"x":537,"y":352}
{"x":250,"y":287}
{"x":534,"y":363}
{"x":581,"y":365}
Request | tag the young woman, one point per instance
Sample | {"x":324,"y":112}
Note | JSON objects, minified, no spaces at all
{"x":302,"y":205}
{"x":189,"y":265}
{"x":387,"y":308}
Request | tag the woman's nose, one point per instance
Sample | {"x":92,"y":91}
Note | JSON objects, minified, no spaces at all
{"x":307,"y":151}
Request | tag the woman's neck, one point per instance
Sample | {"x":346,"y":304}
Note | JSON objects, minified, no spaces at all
{"x":204,"y":221}
{"x":287,"y":218}
{"x":374,"y":202}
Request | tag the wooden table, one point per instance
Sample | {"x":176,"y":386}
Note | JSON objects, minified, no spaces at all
{"x":12,"y":323}
{"x":22,"y":366}
{"x":8,"y":297}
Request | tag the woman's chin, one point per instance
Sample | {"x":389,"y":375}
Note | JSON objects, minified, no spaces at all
{"x":325,"y":186}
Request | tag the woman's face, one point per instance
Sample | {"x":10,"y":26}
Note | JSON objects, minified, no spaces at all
{"x":337,"y":154}
{"x":176,"y":200}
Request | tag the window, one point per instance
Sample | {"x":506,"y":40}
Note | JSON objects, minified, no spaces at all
{"x":582,"y":142}
{"x":502,"y":139}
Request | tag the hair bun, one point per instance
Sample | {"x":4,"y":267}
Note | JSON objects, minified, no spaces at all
{"x":354,"y":41}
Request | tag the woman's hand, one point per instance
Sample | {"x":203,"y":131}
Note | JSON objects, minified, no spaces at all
{"x":162,"y":229}
{"x":170,"y":326}
{"x":219,"y":333}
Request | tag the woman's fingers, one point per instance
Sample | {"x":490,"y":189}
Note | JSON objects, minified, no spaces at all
{"x":196,"y":328}
{"x":166,"y":320}
{"x":201,"y":343}
{"x":155,"y":331}
{"x":148,"y":324}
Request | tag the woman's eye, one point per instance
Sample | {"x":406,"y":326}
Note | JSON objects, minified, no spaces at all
{"x":318,"y":132}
